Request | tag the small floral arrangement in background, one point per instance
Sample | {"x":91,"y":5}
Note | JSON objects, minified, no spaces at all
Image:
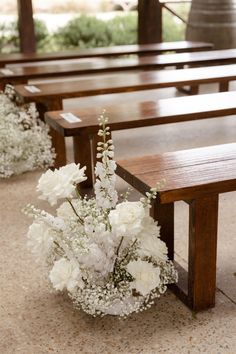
{"x":25,"y":144}
{"x":107,"y":254}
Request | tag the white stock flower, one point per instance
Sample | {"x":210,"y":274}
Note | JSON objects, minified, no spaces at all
{"x":40,"y":240}
{"x":126,"y":219}
{"x":146,"y":276}
{"x":65,"y":275}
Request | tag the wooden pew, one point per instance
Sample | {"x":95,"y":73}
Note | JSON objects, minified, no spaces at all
{"x":101,"y":65}
{"x":196,"y":176}
{"x":143,"y":49}
{"x":133,"y":115}
{"x":53,"y":93}
{"x":50,"y":96}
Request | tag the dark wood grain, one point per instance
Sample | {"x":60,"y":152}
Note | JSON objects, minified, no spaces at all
{"x":126,"y":116}
{"x":141,"y":114}
{"x":103,"y":65}
{"x":202,"y":251}
{"x":197,"y":176}
{"x":188,"y":179}
{"x":130,"y":82}
{"x":155,"y":48}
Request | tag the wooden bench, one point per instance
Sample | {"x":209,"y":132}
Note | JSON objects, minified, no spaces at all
{"x":197,"y":177}
{"x":104,"y":84}
{"x":143,"y":49}
{"x":133,"y":115}
{"x":102,"y":65}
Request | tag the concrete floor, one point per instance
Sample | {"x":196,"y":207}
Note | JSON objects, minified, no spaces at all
{"x":35,"y":320}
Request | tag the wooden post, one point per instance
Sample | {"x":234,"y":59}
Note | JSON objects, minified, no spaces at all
{"x":26,"y":26}
{"x":149,"y":21}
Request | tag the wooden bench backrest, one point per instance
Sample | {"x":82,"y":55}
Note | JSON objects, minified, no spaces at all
{"x":134,"y":115}
{"x":130,"y":82}
{"x":189,"y":174}
{"x":155,"y":48}
{"x":100,"y":65}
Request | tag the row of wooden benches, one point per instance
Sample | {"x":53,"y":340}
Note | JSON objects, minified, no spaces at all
{"x":196,"y":176}
{"x":18,"y":75}
{"x":113,"y":51}
{"x":49,"y":97}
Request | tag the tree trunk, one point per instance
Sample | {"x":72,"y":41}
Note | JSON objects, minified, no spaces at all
{"x":213,"y":21}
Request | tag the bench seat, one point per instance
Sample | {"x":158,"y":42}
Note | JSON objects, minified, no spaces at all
{"x":196,"y":176}
{"x":103,"y":65}
{"x":135,"y":115}
{"x":155,"y":48}
{"x":107,"y":84}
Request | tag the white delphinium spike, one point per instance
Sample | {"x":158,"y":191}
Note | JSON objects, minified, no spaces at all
{"x":106,"y":194}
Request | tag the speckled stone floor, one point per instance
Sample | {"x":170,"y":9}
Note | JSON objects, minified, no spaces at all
{"x":35,"y":320}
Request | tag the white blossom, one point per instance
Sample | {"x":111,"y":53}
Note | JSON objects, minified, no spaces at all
{"x":146,"y":276}
{"x":40,"y":240}
{"x":25,"y":144}
{"x":99,"y":251}
{"x":74,"y":173}
{"x":126,"y":218}
{"x":65,"y":275}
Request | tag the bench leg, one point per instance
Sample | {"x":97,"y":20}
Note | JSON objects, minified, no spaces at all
{"x":83,"y":155}
{"x":164,"y":214}
{"x":193,"y":90}
{"x":202,"y":252}
{"x":224,"y":86}
{"x":58,"y":141}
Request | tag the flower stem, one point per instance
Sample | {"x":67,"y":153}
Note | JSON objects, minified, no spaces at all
{"x":73,"y":208}
{"x":117,"y":254}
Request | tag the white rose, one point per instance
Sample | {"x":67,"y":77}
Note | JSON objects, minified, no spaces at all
{"x":126,"y":219}
{"x":65,"y":275}
{"x":150,"y":244}
{"x":74,"y":173}
{"x":146,"y":276}
{"x":55,"y":185}
{"x":40,"y":240}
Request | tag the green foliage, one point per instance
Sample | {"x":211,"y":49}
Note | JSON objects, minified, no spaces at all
{"x":89,"y":32}
{"x":82,"y":32}
{"x":173,"y":29}
{"x":123,"y":29}
{"x":9,"y":37}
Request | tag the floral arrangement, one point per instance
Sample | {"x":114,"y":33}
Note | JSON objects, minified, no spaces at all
{"x":106,"y":253}
{"x":24,"y":141}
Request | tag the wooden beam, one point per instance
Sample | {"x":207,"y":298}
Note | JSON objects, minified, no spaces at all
{"x":149,"y":21}
{"x":26,"y":26}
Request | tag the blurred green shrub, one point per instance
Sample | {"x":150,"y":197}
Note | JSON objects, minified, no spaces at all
{"x":88,"y":32}
{"x":83,"y":32}
{"x":9,"y":36}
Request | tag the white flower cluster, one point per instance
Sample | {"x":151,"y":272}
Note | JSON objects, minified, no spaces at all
{"x":106,"y":254}
{"x":24,"y":141}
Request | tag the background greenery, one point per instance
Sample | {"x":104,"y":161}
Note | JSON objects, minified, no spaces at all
{"x":88,"y":31}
